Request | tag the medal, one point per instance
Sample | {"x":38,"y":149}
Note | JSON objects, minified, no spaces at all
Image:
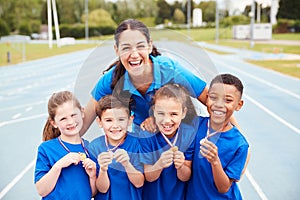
{"x":83,"y":156}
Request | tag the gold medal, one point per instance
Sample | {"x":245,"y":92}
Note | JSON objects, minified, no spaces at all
{"x":82,"y":156}
{"x":174,"y":148}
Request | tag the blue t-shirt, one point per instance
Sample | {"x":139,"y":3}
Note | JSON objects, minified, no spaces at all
{"x":165,"y":70}
{"x":232,"y":151}
{"x":120,"y":185}
{"x":73,"y":182}
{"x":168,"y":185}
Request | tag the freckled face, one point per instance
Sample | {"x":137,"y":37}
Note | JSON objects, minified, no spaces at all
{"x":68,"y":119}
{"x":133,"y":51}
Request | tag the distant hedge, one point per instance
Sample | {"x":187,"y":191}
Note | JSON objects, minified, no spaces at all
{"x":78,"y":31}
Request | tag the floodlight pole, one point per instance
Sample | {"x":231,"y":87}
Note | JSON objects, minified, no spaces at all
{"x":252,"y":24}
{"x":189,"y":17}
{"x":217,"y":22}
{"x":56,"y":23}
{"x":50,"y":36}
{"x":86,"y":20}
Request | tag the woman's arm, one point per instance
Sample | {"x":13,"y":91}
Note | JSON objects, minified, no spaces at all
{"x":203,"y":96}
{"x":89,"y":115}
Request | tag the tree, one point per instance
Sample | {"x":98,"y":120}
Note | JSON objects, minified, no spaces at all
{"x":164,"y":12}
{"x":178,"y":17}
{"x":99,"y":17}
{"x":289,"y":9}
{"x":4,"y":29}
{"x":208,"y":10}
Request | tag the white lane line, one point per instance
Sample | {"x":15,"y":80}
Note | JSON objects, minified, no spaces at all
{"x":255,"y":185}
{"x":290,"y":126}
{"x":263,"y":81}
{"x":21,"y":119}
{"x":22,"y":106}
{"x":16,"y":116}
{"x":28,"y":109}
{"x":16,"y":179}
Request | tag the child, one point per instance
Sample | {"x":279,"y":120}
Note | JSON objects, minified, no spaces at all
{"x":223,"y":149}
{"x":120,"y":175}
{"x":167,"y":154}
{"x":63,"y":168}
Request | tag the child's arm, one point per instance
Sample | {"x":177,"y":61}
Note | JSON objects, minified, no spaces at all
{"x":47,"y":183}
{"x":102,"y":182}
{"x":90,"y":168}
{"x":183,"y":166}
{"x":135,"y":176}
{"x":210,"y":151}
{"x":152,"y":172}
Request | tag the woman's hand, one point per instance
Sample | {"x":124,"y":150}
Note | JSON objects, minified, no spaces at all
{"x":149,"y":125}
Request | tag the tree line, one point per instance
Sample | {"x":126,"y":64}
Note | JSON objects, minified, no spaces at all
{"x":27,"y":16}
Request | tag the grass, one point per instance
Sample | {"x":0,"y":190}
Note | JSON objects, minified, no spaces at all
{"x":288,"y":67}
{"x":36,"y":51}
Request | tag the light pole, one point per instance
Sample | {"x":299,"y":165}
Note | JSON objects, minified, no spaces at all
{"x":252,"y":24}
{"x":189,"y":17}
{"x":217,"y":22}
{"x":86,"y":20}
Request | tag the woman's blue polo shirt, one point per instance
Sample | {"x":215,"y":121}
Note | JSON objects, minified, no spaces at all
{"x":165,"y":70}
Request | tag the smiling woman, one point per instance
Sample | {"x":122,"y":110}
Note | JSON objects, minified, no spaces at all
{"x":139,"y":71}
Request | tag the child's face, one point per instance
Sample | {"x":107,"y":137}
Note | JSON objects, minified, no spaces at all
{"x":115,"y":123}
{"x":68,"y":119}
{"x":168,"y":114}
{"x":222,"y":101}
{"x":133,"y":51}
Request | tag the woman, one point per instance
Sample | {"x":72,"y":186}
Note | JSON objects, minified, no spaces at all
{"x":139,"y":72}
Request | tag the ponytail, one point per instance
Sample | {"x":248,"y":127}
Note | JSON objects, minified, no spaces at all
{"x":50,"y":132}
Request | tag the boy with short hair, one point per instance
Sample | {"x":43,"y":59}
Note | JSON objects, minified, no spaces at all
{"x":121,"y":173}
{"x":220,"y":148}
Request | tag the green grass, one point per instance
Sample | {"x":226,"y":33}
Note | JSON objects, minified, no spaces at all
{"x":286,"y":36}
{"x":288,"y":67}
{"x":267,"y":48}
{"x":35,"y":51}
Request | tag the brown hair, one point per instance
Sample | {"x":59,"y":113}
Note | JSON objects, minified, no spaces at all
{"x":180,"y":94}
{"x":119,"y":71}
{"x":56,"y":100}
{"x":110,"y":102}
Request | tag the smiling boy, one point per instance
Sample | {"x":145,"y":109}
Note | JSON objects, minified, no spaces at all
{"x":221,"y":150}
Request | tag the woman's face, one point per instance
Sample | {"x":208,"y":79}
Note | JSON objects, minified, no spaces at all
{"x":133,"y":51}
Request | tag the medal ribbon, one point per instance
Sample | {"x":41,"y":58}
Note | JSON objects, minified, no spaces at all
{"x":172,"y":144}
{"x":115,"y":147}
{"x":68,"y":150}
